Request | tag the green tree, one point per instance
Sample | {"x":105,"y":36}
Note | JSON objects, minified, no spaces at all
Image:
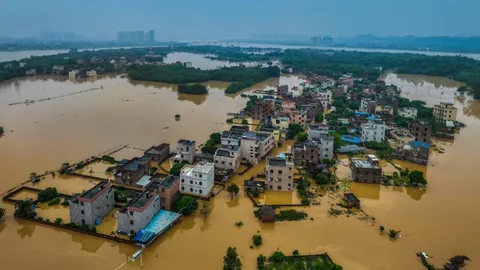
{"x":295,"y":253}
{"x":33,"y":177}
{"x":322,"y":179}
{"x":302,"y":137}
{"x":345,"y":184}
{"x":24,"y":208}
{"x":352,"y":105}
{"x":233,"y":189}
{"x":277,"y":257}
{"x":319,"y":117}
{"x":205,"y":210}
{"x":382,"y":228}
{"x":185,"y":205}
{"x":231,"y":261}
{"x":1,"y":130}
{"x":393,"y":233}
{"x":261,"y":262}
{"x":2,"y":213}
{"x":244,"y":122}
{"x":417,"y":178}
{"x":257,"y":240}
{"x":342,"y":130}
{"x":176,"y":168}
{"x":58,"y":221}
{"x":48,"y":194}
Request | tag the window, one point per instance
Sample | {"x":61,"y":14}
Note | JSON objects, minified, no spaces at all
{"x":289,"y":177}
{"x":131,"y":222}
{"x":230,"y":163}
{"x":81,"y":203}
{"x":191,"y":189}
{"x":108,"y":205}
{"x":132,"y":232}
{"x":279,"y":171}
{"x":191,"y":182}
{"x":216,"y":161}
{"x":200,"y":183}
{"x":223,"y":162}
{"x":200,"y":191}
{"x":98,"y":207}
{"x":289,"y":184}
{"x":279,"y":187}
{"x":131,"y":213}
{"x":83,"y":221}
{"x":183,"y":188}
{"x":82,"y":212}
{"x":271,"y":171}
{"x":163,"y":189}
{"x":200,"y":175}
{"x":183,"y":180}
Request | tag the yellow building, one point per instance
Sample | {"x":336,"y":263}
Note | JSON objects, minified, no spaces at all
{"x":445,"y":112}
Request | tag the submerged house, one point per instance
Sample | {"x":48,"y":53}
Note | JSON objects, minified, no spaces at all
{"x":138,"y":212}
{"x":158,"y":153}
{"x":92,"y":205}
{"x":366,"y":170}
{"x":351,"y":200}
{"x":129,"y":172}
{"x":266,"y":213}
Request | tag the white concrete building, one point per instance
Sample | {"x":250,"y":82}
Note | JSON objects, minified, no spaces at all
{"x":316,"y":131}
{"x":256,"y":145}
{"x":408,"y":112}
{"x":197,"y":179}
{"x":73,"y":74}
{"x":373,"y":131}
{"x":324,"y":97}
{"x":92,"y":73}
{"x":185,"y":151}
{"x":280,"y":122}
{"x":364,"y":104}
{"x":31,"y":72}
{"x":279,"y":174}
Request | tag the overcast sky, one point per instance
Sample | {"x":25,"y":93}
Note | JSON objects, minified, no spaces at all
{"x":217,"y":19}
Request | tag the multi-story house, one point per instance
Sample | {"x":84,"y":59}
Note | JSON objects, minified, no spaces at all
{"x":185,"y":151}
{"x":92,"y":205}
{"x":282,"y":90}
{"x":197,"y":179}
{"x":445,"y":112}
{"x":256,"y":145}
{"x":129,"y":172}
{"x":92,"y":73}
{"x":280,"y":122}
{"x":138,"y":212}
{"x":279,"y":174}
{"x":158,"y":153}
{"x":288,"y":105}
{"x":262,"y":109}
{"x":299,"y":117}
{"x":366,"y":170}
{"x":409,"y":112}
{"x":416,"y":152}
{"x":316,"y":131}
{"x":324,"y":97}
{"x":227,"y":159}
{"x":166,"y":187}
{"x":73,"y":74}
{"x":374,"y":130}
{"x":422,"y":131}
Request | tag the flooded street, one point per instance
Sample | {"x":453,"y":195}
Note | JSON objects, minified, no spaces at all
{"x":441,"y":220}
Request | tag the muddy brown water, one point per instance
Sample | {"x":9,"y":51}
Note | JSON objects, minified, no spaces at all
{"x":442,"y":220}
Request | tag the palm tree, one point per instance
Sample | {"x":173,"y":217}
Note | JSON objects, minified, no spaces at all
{"x":345,"y":184}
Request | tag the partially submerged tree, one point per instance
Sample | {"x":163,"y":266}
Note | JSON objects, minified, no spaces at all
{"x":233,"y":189}
{"x":345,"y":184}
{"x":24,"y":208}
{"x":185,"y":205}
{"x":2,"y":213}
{"x":231,"y":261}
{"x":205,"y":210}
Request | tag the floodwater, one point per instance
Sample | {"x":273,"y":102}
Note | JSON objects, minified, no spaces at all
{"x":441,"y":220}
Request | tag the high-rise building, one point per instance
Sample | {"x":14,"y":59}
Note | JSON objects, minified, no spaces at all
{"x":131,"y":36}
{"x":150,"y":36}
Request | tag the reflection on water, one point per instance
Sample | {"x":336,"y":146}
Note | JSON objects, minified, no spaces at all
{"x":430,"y":89}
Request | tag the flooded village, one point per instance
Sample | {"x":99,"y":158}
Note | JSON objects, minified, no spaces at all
{"x":358,"y":171}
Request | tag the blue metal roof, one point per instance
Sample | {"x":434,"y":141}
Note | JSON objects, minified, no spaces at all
{"x":362,"y":113}
{"x":351,"y":139}
{"x":420,"y":144}
{"x":159,"y":223}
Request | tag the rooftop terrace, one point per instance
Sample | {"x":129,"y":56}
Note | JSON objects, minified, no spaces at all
{"x":186,"y":142}
{"x":363,"y":163}
{"x":276,"y":161}
{"x":155,"y":150}
{"x":93,"y":192}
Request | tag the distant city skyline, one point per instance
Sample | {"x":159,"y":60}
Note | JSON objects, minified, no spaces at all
{"x":217,"y":20}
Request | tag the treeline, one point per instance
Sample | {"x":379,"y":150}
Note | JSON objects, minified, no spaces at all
{"x":178,"y":73}
{"x":194,"y":89}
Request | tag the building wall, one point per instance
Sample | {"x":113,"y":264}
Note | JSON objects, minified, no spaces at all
{"x":167,"y":195}
{"x":422,"y":133}
{"x":445,"y":113}
{"x":366,"y":175}
{"x":139,"y":219}
{"x":196,"y":185}
{"x":98,"y":208}
{"x":130,"y":178}
{"x":326,"y":149}
{"x":281,"y":123}
{"x":279,"y":178}
{"x":162,"y":156}
{"x":253,"y":150}
{"x":228,"y":163}
{"x":186,"y":152}
{"x":299,"y":118}
{"x":317,"y":132}
{"x":373,"y":132}
{"x":408,"y":112}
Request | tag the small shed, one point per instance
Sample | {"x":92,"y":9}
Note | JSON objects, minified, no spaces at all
{"x":351,"y":200}
{"x":251,"y":185}
{"x":266,"y":213}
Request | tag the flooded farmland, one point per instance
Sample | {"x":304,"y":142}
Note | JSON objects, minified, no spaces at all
{"x":441,"y":220}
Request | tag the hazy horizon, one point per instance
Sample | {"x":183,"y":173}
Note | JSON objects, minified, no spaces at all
{"x":216,"y":20}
